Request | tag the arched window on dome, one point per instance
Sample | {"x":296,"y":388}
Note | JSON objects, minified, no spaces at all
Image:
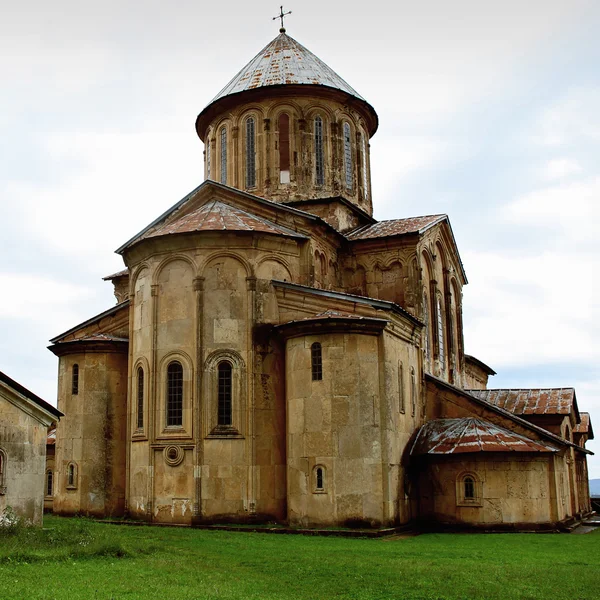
{"x":250,"y":153}
{"x":208,"y":157}
{"x":319,"y":157}
{"x":223,"y":141}
{"x":284,"y":148}
{"x":75,"y":380}
{"x":365,"y":174}
{"x":348,"y":166}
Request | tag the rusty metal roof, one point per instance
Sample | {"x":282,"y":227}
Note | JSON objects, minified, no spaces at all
{"x":457,"y":436}
{"x":282,"y":62}
{"x":395,"y":227}
{"x":585,"y":426}
{"x":218,"y":216}
{"x":122,"y":273}
{"x":552,"y":401}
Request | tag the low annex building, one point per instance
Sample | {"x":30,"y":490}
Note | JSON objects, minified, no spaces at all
{"x":277,"y":353}
{"x":24,"y":422}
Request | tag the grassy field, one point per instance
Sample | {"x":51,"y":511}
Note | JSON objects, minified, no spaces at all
{"x":76,"y":558}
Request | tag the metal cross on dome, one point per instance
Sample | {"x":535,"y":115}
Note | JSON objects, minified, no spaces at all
{"x":281,"y":16}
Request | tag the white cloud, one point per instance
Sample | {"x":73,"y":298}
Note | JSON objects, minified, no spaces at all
{"x":560,"y":168}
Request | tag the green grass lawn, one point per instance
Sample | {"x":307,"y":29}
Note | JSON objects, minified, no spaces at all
{"x":76,"y":558}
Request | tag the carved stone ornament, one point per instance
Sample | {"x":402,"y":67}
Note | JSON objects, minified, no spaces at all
{"x":173,"y":455}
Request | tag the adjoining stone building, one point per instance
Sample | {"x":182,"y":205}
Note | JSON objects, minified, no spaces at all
{"x":277,"y":353}
{"x":24,"y":422}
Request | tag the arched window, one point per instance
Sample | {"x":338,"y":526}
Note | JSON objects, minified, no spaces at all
{"x":440,"y":332}
{"x":75,"y":380}
{"x":223,"y":136}
{"x":174,"y":394}
{"x":348,"y":167}
{"x":207,"y":145}
{"x":72,"y":475}
{"x":250,"y":153}
{"x":140,"y":398}
{"x":319,"y":159}
{"x":316,"y":361}
{"x":224,"y":393}
{"x":365,"y":174}
{"x":469,"y":488}
{"x":284,"y":148}
{"x":319,"y":479}
{"x":413,"y":392}
{"x":426,"y":329}
{"x":49,"y":482}
{"x":2,"y":471}
{"x":400,"y":386}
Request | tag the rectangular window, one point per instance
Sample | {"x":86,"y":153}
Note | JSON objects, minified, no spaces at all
{"x":400,"y":386}
{"x":174,"y":395}
{"x":140,"y":398}
{"x":250,"y":154}
{"x":319,"y":162}
{"x":75,"y":380}
{"x":224,"y":393}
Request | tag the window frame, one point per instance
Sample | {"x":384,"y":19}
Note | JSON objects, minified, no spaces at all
{"x":212,"y":427}
{"x":140,"y":389}
{"x":224,"y":394}
{"x":319,"y":150}
{"x":223,"y":154}
{"x":316,"y":361}
{"x":465,"y":480}
{"x":174,"y":394}
{"x":72,"y":476}
{"x":348,"y":159}
{"x":75,"y":379}
{"x":316,"y":488}
{"x":49,"y":484}
{"x":250,"y":152}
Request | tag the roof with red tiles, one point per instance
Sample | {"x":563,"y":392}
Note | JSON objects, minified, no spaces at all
{"x":552,"y":401}
{"x":122,"y":273}
{"x":284,"y":62}
{"x":395,"y":227}
{"x":51,"y":438}
{"x":585,"y":426}
{"x":218,"y":216}
{"x":459,"y":436}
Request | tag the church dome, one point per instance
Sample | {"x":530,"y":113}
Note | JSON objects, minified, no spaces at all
{"x":284,"y":62}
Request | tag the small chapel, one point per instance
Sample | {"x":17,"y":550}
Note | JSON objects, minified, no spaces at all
{"x":277,"y":354}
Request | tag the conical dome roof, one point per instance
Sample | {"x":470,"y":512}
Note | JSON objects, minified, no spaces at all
{"x":282,"y":62}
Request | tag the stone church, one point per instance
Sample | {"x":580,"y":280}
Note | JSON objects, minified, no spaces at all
{"x":277,"y":354}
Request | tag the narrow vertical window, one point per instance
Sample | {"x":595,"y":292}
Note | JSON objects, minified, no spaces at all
{"x":208,"y":173}
{"x":348,"y":167}
{"x":49,"y":482}
{"x":426,"y":328}
{"x":223,"y":136}
{"x":440,"y":331}
{"x":316,"y":362}
{"x":2,"y":470}
{"x":469,"y":490}
{"x":71,"y":475}
{"x":400,"y":386}
{"x":75,"y":380}
{"x":365,"y":174}
{"x":319,"y":163}
{"x":413,"y":392}
{"x":174,"y":395}
{"x":284,"y":149}
{"x":224,"y":393}
{"x":140,"y":398}
{"x":250,"y":153}
{"x":319,"y":478}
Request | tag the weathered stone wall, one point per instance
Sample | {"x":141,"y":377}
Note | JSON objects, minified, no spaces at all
{"x":334,"y":424}
{"x":92,"y":434}
{"x":50,"y":466}
{"x":509,"y":489}
{"x":23,"y":444}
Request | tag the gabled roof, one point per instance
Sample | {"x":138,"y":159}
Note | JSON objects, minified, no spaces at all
{"x":585,"y":426}
{"x":469,"y":434}
{"x":218,"y":216}
{"x":107,"y":313}
{"x":24,"y":392}
{"x":552,"y":401}
{"x":395,"y":227}
{"x":283,"y":62}
{"x":219,"y":187}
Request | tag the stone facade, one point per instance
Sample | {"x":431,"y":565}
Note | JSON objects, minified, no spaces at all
{"x":24,"y":421}
{"x":275,"y":350}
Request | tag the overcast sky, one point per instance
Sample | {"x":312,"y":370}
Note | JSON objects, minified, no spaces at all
{"x":488,"y":112}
